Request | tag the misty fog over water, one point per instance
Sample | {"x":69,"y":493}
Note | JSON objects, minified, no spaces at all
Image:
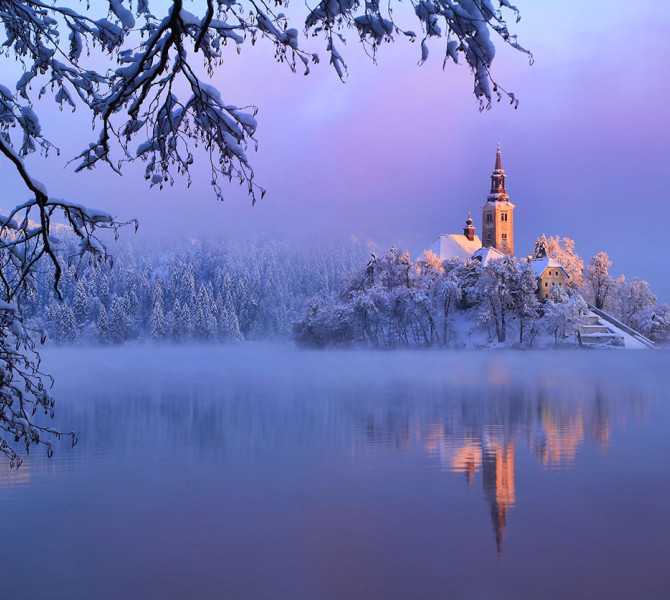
{"x":265,"y":471}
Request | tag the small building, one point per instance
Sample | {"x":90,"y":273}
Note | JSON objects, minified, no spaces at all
{"x":454,"y":245}
{"x":485,"y":255}
{"x":549,"y":275}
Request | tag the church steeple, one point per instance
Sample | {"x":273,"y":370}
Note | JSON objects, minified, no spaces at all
{"x":497,"y":213}
{"x":497,"y":193}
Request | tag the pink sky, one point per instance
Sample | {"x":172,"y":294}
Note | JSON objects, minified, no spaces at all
{"x":399,"y":153}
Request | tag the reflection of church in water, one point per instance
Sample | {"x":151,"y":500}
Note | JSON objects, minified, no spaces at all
{"x":495,"y":459}
{"x":472,"y":444}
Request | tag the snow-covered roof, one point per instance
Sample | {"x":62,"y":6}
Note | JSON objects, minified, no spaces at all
{"x":487,"y":254}
{"x":453,"y":245}
{"x":540,"y":265}
{"x":505,"y":203}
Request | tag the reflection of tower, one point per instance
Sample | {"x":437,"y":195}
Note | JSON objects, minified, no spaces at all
{"x":498,"y":478}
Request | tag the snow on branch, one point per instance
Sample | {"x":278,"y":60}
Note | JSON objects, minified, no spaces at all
{"x":154,"y":105}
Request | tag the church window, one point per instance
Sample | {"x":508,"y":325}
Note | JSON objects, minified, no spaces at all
{"x":488,"y":237}
{"x":503,"y":217}
{"x":546,"y":284}
{"x":504,"y":236}
{"x":489,"y":218}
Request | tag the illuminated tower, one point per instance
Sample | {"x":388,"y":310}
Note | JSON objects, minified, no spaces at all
{"x":497,"y":214}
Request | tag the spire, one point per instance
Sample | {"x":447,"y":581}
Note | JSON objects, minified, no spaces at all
{"x":498,"y":166}
{"x":498,"y":193}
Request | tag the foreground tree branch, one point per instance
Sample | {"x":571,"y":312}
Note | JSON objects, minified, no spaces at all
{"x":152,"y":104}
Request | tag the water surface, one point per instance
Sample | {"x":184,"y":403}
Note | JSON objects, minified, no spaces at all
{"x":263,"y":471}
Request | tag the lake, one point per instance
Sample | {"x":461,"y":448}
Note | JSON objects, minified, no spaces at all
{"x":265,"y":471}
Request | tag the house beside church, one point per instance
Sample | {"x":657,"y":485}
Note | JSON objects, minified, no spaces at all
{"x":550,"y":275}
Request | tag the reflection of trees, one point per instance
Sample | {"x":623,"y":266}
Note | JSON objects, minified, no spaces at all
{"x":473,"y":432}
{"x":468,"y":431}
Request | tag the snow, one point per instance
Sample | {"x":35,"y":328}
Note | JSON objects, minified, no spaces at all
{"x":500,"y":203}
{"x":540,"y":265}
{"x":452,"y":245}
{"x":488,"y":254}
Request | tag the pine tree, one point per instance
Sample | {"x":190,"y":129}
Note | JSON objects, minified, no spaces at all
{"x":175,"y":318}
{"x":541,"y":249}
{"x":157,"y":323}
{"x":66,"y":325}
{"x":80,"y":304}
{"x":102,"y":325}
{"x":231,"y":324}
{"x":103,"y":287}
{"x":119,"y":326}
{"x":199,"y":328}
{"x":185,"y":322}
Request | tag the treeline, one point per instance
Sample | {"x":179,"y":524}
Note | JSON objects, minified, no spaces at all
{"x":227,"y":291}
{"x":393,"y":301}
{"x":629,"y":300}
{"x":217,"y":291}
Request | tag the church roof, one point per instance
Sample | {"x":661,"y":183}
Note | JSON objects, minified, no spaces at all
{"x":453,"y":245}
{"x":488,"y":254}
{"x":540,"y":265}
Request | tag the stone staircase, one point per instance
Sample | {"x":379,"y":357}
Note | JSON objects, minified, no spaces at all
{"x":596,"y":331}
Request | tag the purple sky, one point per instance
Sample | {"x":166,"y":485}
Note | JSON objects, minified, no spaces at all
{"x":399,"y":154}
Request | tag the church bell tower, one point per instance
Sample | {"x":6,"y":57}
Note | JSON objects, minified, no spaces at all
{"x":498,"y":214}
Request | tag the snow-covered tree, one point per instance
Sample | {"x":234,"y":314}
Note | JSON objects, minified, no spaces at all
{"x":119,"y":328}
{"x":229,"y":324}
{"x":102,"y":325}
{"x":634,"y":303}
{"x":524,"y":302}
{"x":598,"y":280}
{"x":80,"y":303}
{"x":495,"y":293}
{"x":541,"y":248}
{"x":562,"y":313}
{"x":184,"y":322}
{"x":157,"y":318}
{"x":659,"y":324}
{"x":562,"y":250}
{"x":66,"y":325}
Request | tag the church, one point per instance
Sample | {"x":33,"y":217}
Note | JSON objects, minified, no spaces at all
{"x":497,"y":226}
{"x":497,"y":238}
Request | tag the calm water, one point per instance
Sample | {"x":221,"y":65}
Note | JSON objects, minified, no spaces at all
{"x":267,"y":472}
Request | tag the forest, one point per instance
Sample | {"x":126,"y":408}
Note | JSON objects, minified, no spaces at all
{"x":328,"y":293}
